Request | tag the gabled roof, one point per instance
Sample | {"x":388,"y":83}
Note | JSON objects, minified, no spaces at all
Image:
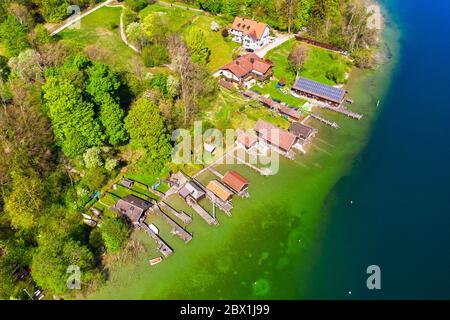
{"x":235,"y":181}
{"x":133,"y":207}
{"x":274,"y":135}
{"x":246,"y":139}
{"x":301,"y":130}
{"x":219,"y":190}
{"x":294,"y":114}
{"x":245,"y":64}
{"x":319,"y":89}
{"x":249,"y":27}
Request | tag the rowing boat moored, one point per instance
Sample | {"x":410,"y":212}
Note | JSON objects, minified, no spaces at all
{"x":155,"y":261}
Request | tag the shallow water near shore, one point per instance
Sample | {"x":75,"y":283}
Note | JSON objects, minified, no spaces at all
{"x":277,"y":244}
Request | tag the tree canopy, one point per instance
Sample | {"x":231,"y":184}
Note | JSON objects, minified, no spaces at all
{"x":148,"y":133}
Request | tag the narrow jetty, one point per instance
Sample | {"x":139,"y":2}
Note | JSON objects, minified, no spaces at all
{"x":215,"y":172}
{"x":343,"y":111}
{"x":184,"y":217}
{"x":200,"y":211}
{"x":263,"y":171}
{"x":323,"y":120}
{"x":162,"y":246}
{"x":176,"y":228}
{"x":156,"y":192}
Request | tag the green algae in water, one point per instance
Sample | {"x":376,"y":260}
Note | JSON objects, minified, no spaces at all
{"x":261,"y":287}
{"x":283,"y":218}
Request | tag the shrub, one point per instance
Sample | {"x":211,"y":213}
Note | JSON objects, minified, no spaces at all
{"x":136,"y":5}
{"x":155,"y":55}
{"x":113,"y":25}
{"x":225,"y":33}
{"x":111,"y":164}
{"x":129,"y":16}
{"x":336,"y":74}
{"x":92,"y":158}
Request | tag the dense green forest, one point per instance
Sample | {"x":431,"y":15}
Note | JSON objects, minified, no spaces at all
{"x":69,"y":123}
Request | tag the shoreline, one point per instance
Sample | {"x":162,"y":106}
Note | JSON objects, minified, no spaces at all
{"x":206,"y":269}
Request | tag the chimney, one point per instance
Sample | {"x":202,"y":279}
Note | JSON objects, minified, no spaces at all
{"x":237,"y":62}
{"x":252,"y":60}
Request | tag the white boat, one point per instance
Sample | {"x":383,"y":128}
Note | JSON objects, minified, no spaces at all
{"x":85,"y":216}
{"x":153,"y":228}
{"x":155,"y":261}
{"x":90,"y":223}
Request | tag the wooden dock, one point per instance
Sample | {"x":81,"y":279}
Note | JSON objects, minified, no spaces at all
{"x":343,"y":111}
{"x":263,"y":171}
{"x":215,"y":172}
{"x":184,"y":217}
{"x":162,"y":246}
{"x":200,"y":211}
{"x":176,"y":228}
{"x":156,"y":192}
{"x":325,"y":121}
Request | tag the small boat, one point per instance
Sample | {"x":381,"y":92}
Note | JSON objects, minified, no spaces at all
{"x":153,"y":228}
{"x":90,"y":223}
{"x":155,"y":261}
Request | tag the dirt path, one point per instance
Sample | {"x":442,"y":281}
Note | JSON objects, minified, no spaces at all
{"x":123,"y":35}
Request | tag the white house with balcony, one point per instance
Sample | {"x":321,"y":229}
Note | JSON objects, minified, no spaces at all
{"x":250,"y":33}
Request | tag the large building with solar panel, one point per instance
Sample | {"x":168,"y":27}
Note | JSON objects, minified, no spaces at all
{"x":316,"y":90}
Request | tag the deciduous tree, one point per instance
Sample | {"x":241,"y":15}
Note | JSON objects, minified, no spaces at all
{"x":148,"y":133}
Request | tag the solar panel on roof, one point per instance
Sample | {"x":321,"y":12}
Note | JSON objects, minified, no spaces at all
{"x":319,"y":89}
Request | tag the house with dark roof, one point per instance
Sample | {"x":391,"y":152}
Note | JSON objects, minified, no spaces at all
{"x":303,"y":133}
{"x":132,"y":207}
{"x":275,"y":136}
{"x":319,"y":91}
{"x":247,"y":68}
{"x":252,"y":34}
{"x":192,"y":189}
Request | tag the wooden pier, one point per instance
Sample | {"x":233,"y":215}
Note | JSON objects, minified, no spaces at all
{"x":162,"y":246}
{"x":263,"y":171}
{"x":215,"y":172}
{"x":200,"y":211}
{"x":343,"y":111}
{"x":176,"y":228}
{"x":184,"y":217}
{"x":325,"y":121}
{"x":156,"y":192}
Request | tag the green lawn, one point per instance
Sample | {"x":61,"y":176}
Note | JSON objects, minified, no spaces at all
{"x":318,"y":65}
{"x":100,"y":30}
{"x":180,"y":20}
{"x":271,"y":89}
{"x":232,"y":111}
{"x":177,"y":17}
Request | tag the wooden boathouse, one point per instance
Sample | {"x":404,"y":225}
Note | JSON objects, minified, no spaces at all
{"x":319,"y":91}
